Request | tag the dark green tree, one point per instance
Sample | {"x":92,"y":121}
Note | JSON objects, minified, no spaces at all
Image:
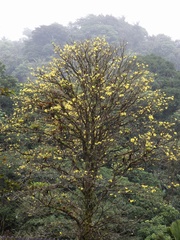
{"x":39,"y":43}
{"x":167,"y":78}
{"x":8,"y":85}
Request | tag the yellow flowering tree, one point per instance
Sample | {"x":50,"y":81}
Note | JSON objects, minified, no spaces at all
{"x":86,"y":119}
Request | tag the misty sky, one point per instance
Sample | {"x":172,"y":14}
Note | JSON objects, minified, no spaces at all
{"x":156,"y":16}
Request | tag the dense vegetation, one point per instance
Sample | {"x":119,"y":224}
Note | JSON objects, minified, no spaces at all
{"x":89,"y":145}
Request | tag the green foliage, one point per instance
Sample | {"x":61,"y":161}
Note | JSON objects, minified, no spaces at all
{"x":167,"y":78}
{"x":113,"y":29}
{"x":8,"y":85}
{"x":44,"y":174}
{"x":84,"y":122}
{"x":39,"y":45}
{"x":159,"y":66}
{"x":162,"y":45}
{"x":175,"y":229}
{"x":9,"y":185}
{"x":154,"y":231}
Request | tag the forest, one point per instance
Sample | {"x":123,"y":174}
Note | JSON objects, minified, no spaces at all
{"x":89,"y":133}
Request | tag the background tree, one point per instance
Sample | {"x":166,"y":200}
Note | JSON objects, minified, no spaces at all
{"x":9,"y":184}
{"x":93,"y":26}
{"x":11,"y":53}
{"x":163,"y":46}
{"x":115,"y":30}
{"x":36,"y":49}
{"x":86,"y":120}
{"x":8,"y":174}
{"x":167,"y":78}
{"x":39,"y":42}
{"x":8,"y":85}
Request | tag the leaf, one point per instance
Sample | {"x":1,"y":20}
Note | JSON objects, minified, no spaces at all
{"x":175,"y":229}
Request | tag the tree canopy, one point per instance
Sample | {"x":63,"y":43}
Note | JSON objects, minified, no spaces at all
{"x":88,"y":118}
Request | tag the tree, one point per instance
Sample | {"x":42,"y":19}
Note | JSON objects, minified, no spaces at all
{"x":93,"y":26}
{"x":8,"y":177}
{"x":8,"y":186}
{"x":162,"y":45}
{"x":8,"y":84}
{"x":39,"y":44}
{"x":167,"y":78}
{"x":11,"y":55}
{"x":113,"y":28}
{"x":86,"y":120}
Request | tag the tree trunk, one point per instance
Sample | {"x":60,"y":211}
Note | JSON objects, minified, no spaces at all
{"x":87,"y":228}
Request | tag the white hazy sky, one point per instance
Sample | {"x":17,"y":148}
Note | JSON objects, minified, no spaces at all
{"x":156,"y":16}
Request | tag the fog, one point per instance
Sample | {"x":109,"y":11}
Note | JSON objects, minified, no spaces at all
{"x":155,"y":16}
